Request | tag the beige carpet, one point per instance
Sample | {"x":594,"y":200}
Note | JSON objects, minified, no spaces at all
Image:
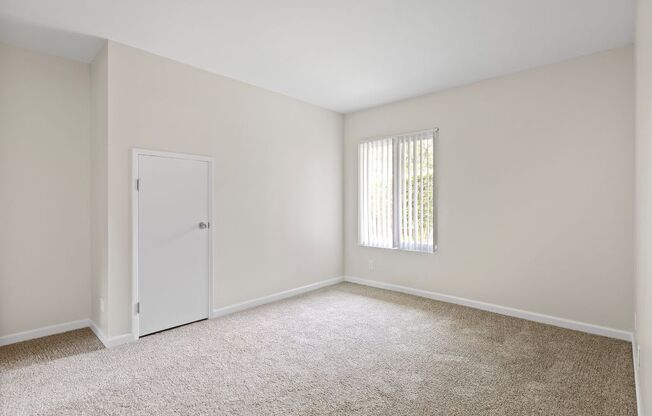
{"x":47,"y":349}
{"x":343,"y":350}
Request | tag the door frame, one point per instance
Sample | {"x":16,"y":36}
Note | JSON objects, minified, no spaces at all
{"x":135,"y":298}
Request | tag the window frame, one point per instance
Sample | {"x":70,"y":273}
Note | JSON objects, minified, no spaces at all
{"x":395,"y":191}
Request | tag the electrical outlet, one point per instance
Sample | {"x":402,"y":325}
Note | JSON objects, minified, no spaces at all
{"x":370,"y":264}
{"x":102,"y":305}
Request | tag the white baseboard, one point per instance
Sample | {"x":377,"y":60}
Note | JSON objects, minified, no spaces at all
{"x":274,"y":297}
{"x":503,"y":310}
{"x":43,"y":332}
{"x":639,"y":403}
{"x":109,"y":342}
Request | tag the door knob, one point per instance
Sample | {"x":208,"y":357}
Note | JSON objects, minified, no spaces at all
{"x":204,"y":225}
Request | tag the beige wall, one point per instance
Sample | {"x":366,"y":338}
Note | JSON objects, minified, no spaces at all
{"x":534,"y":169}
{"x":643,"y":334}
{"x":277,"y":180}
{"x":67,"y":130}
{"x":535,"y":191}
{"x":99,"y":189}
{"x":44,"y":190}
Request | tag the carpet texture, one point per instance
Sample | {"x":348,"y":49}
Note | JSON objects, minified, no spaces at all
{"x":342,"y":350}
{"x":46,"y":349}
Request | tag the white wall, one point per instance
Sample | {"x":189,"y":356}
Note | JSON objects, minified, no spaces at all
{"x":44,"y":190}
{"x":643,"y":334}
{"x":534,"y":169}
{"x":99,"y":189}
{"x":535,"y":191}
{"x":67,"y":130}
{"x":277,"y":180}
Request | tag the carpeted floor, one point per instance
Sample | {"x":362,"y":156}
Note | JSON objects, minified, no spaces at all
{"x":47,"y":349}
{"x":343,"y":350}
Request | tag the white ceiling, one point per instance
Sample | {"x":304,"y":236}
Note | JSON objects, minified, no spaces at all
{"x":343,"y":55}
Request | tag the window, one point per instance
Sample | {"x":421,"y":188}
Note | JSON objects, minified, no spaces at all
{"x":396,"y":192}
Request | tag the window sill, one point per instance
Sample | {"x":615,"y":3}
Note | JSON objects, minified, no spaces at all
{"x":401,"y":249}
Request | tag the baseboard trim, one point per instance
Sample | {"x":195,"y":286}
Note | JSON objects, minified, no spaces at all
{"x":43,"y":332}
{"x":639,"y":403}
{"x":109,"y":342}
{"x":503,"y":310}
{"x":226,"y":310}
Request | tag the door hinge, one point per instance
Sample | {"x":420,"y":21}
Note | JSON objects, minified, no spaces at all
{"x":137,"y":308}
{"x":138,"y":184}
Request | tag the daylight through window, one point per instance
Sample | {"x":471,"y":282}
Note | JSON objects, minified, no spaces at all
{"x":397,"y":192}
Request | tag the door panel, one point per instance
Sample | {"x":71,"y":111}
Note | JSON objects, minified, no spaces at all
{"x":173,"y":251}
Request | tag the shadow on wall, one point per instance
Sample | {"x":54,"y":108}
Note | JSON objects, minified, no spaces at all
{"x":75,"y":46}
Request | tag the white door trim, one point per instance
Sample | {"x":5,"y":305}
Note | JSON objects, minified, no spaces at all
{"x":135,"y":317}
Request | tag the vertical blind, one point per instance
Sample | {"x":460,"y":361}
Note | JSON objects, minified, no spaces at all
{"x":377,"y":193}
{"x":396,"y":192}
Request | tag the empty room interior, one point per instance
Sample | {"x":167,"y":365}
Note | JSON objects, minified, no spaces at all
{"x":374,"y":207}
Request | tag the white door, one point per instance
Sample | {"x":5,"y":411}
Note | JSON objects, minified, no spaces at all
{"x":173,"y":241}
